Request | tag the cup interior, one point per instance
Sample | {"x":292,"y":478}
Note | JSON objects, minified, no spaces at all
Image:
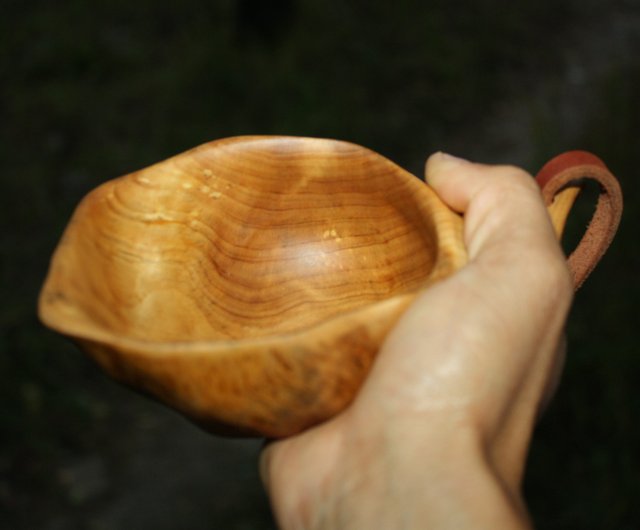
{"x":244,"y":238}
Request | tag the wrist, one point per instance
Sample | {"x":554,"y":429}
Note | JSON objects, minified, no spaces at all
{"x":441,"y":482}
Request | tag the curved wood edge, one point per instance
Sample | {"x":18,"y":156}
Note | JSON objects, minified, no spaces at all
{"x":569,"y":171}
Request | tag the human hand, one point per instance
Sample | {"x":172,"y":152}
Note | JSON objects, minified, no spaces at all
{"x":437,"y":436}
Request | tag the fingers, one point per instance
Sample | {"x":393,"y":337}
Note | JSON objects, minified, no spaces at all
{"x":450,"y":177}
{"x":555,"y":375}
{"x":265,"y":464}
{"x":508,"y":232}
{"x":516,"y":263}
{"x":459,"y":181}
{"x":474,"y":341}
{"x":502,"y":205}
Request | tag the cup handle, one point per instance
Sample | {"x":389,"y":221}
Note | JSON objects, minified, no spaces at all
{"x":561,"y":180}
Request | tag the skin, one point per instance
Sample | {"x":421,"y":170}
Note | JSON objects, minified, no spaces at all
{"x":439,"y":433}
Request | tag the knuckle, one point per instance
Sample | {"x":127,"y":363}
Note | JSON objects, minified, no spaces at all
{"x":556,"y":278}
{"x":517,"y":177}
{"x":510,"y":183}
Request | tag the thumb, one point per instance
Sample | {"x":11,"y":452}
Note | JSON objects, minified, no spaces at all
{"x":502,"y":207}
{"x":484,"y":326}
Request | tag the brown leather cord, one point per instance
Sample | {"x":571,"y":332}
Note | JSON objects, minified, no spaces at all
{"x":571,"y":169}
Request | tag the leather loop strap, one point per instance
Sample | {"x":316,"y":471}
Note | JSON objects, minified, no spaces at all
{"x":570,"y":170}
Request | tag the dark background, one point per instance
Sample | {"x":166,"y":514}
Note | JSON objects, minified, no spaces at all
{"x":93,"y":90}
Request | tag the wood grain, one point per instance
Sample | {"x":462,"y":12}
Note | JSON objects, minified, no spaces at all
{"x":250,"y":281}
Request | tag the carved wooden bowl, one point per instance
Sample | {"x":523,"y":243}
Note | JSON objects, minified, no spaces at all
{"x":249,"y":282}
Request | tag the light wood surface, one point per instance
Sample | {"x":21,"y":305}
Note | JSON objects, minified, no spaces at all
{"x":250,"y":281}
{"x":560,"y":207}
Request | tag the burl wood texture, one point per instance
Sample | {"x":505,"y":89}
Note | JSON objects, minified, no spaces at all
{"x":249,"y":282}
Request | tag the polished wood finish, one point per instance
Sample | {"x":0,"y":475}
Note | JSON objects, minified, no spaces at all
{"x":250,"y":281}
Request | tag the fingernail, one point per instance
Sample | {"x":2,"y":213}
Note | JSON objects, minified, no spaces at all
{"x":446,"y":157}
{"x":439,"y":161}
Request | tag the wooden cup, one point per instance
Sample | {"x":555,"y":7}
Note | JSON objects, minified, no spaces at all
{"x":249,"y":282}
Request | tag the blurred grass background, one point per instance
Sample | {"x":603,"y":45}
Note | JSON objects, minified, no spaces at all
{"x":93,"y":90}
